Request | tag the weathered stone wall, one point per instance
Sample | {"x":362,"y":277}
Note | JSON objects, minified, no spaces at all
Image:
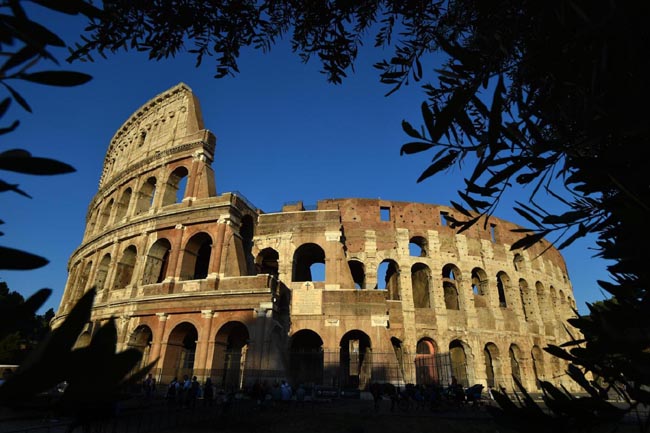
{"x":355,"y":291}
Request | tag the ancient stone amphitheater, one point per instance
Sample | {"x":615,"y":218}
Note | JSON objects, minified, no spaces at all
{"x":353,"y":291}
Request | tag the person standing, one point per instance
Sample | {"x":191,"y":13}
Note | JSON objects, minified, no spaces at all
{"x":208,"y":392}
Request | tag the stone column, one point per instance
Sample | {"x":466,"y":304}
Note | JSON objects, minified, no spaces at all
{"x":200,"y":361}
{"x":156,"y":344}
{"x":217,"y":248}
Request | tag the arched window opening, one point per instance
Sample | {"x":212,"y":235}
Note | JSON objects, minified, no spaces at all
{"x":304,"y":258}
{"x":141,"y":340}
{"x":388,"y":279}
{"x":102,"y":272}
{"x":450,"y":280}
{"x":196,"y":257}
{"x":230,"y":354}
{"x":518,"y":262}
{"x":123,"y":205}
{"x":525,"y":300}
{"x":180,"y":353}
{"x":514,"y":361}
{"x":479,"y":282}
{"x":105,"y":215}
{"x":502,"y":286}
{"x":553,"y":299}
{"x":459,"y":362}
{"x":358,"y":273}
{"x":306,"y":358}
{"x":125,"y":267}
{"x":355,"y":359}
{"x":175,"y":187}
{"x":83,"y":281}
{"x":155,"y":268}
{"x":92,"y":221}
{"x":491,"y":353}
{"x":538,"y":365}
{"x":541,"y":299}
{"x":267,"y":262}
{"x":398,"y":349}
{"x":418,"y":247}
{"x":426,"y":369}
{"x":420,"y":278}
{"x":247,"y":231}
{"x":146,"y":196}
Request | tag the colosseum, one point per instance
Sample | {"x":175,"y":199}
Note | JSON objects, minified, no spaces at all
{"x":352,"y":291}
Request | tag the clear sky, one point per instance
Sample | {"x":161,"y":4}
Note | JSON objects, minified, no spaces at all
{"x":283,"y":134}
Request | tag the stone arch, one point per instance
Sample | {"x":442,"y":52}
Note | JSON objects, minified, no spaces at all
{"x":418,"y":247}
{"x":553,"y":300}
{"x":92,"y":221}
{"x":492,"y":364}
{"x":157,"y":262}
{"x":306,"y":358}
{"x":389,"y":281}
{"x":180,"y":352}
{"x":450,"y":282}
{"x":105,"y":216}
{"x":305,"y":256}
{"x":125,"y":266}
{"x":479,"y":282}
{"x":230,"y":351}
{"x":515,"y":361}
{"x":146,"y":196}
{"x":267,"y":262}
{"x":538,"y":364}
{"x":503,"y":287}
{"x":518,"y":262}
{"x":426,"y":368}
{"x":247,"y":231}
{"x":459,"y":364}
{"x":196,"y":257}
{"x":122,"y":206}
{"x":358,"y":271}
{"x":175,"y":186}
{"x":526,"y":299}
{"x":141,"y":339}
{"x":542,"y":299}
{"x":82,"y":281}
{"x":355,"y":359}
{"x":83,"y":340}
{"x":420,"y":281}
{"x":102,"y":272}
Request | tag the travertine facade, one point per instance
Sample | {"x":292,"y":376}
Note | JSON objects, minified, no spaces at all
{"x":208,"y":284}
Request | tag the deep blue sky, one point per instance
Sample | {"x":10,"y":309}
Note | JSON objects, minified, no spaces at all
{"x":283,"y":134}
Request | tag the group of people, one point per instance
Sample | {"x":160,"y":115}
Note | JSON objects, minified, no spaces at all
{"x":185,"y":393}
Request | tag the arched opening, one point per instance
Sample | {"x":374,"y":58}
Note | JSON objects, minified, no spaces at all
{"x":418,"y":247}
{"x":426,"y":370}
{"x":155,"y":268}
{"x":105,"y":215}
{"x":399,"y":375}
{"x":479,"y":282}
{"x":526,"y":301}
{"x":538,"y":364}
{"x":196,"y":257}
{"x":492,"y":367}
{"x":541,"y":299}
{"x":503,"y":283}
{"x":356,"y":359}
{"x":123,"y":205}
{"x":125,"y":266}
{"x":141,"y":340}
{"x":92,"y":221}
{"x":180,"y":353}
{"x":518,"y":262}
{"x":553,"y":300}
{"x":515,"y":356}
{"x":450,"y":280}
{"x":83,"y":340}
{"x":82,"y":282}
{"x":420,"y":280}
{"x":304,"y":259}
{"x":388,"y":279}
{"x":247,"y":231}
{"x":306,"y":358}
{"x":358,"y":273}
{"x":267,"y":262}
{"x":230,"y":348}
{"x":459,"y":362}
{"x":102,"y":272}
{"x":175,"y":187}
{"x":146,"y":196}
